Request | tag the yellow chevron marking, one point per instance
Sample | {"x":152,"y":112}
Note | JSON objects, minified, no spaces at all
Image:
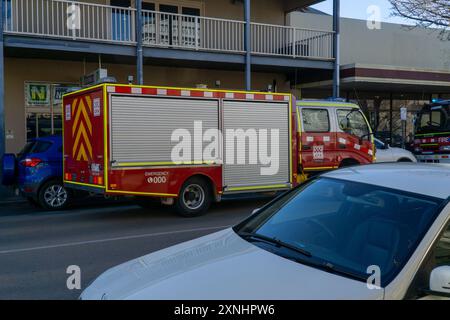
{"x":82,"y":156}
{"x":74,"y":104}
{"x":81,"y":110}
{"x":82,"y":132}
{"x":89,"y":103}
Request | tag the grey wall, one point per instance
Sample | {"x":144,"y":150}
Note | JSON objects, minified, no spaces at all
{"x":393,"y":45}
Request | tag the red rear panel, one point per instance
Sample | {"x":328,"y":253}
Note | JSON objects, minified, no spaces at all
{"x":83,"y":138}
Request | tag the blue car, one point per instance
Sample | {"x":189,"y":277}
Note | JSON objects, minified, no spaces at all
{"x":37,"y":173}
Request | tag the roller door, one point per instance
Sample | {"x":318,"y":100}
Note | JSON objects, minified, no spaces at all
{"x":255,"y":116}
{"x":142,"y":127}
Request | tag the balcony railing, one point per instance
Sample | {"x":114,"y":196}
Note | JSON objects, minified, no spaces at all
{"x":93,"y":22}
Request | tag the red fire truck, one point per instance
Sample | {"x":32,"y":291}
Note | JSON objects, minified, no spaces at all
{"x":432,"y":138}
{"x":190,"y":147}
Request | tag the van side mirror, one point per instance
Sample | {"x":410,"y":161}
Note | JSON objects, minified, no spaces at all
{"x":345,"y":124}
{"x":440,"y":282}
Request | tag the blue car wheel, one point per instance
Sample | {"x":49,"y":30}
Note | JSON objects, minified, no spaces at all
{"x":9,"y":169}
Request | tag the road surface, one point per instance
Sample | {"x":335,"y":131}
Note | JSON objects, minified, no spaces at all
{"x":36,"y":248}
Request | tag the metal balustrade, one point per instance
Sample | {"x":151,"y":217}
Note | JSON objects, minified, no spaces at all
{"x":95,"y":22}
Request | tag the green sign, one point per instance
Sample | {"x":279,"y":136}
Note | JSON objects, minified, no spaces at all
{"x":38,"y":94}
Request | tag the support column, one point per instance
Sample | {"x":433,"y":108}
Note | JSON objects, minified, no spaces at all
{"x":2,"y":84}
{"x":391,"y":118}
{"x":139,"y":49}
{"x":248,"y":46}
{"x":336,"y":48}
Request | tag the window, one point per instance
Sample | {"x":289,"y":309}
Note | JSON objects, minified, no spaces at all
{"x":316,"y":120}
{"x":35,"y":147}
{"x":438,"y":256}
{"x":380,"y":145}
{"x":148,"y":6}
{"x":191,"y":11}
{"x":353,"y":122}
{"x":7,"y":15}
{"x":433,"y":119}
{"x":40,"y":146}
{"x":348,"y":225}
{"x":121,"y":20}
{"x":46,"y":119}
{"x":442,"y":250}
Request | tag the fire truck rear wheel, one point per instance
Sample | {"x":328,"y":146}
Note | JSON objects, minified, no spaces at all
{"x":195,"y":198}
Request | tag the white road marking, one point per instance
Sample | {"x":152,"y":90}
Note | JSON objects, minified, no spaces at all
{"x":81,"y":243}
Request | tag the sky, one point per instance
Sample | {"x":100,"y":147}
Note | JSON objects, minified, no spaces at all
{"x":357,"y":9}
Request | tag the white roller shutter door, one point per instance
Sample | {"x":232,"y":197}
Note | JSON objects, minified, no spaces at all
{"x":142,"y":127}
{"x":247,"y":115}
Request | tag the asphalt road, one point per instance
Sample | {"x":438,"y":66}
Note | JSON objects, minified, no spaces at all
{"x":36,"y":248}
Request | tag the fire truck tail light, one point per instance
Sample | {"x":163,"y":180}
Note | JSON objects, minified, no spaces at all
{"x":31,"y":162}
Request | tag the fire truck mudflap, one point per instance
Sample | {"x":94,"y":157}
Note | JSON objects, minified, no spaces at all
{"x":188,"y":147}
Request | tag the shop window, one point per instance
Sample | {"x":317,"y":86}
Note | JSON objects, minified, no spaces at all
{"x":31,"y":126}
{"x":43,"y":110}
{"x":43,"y":125}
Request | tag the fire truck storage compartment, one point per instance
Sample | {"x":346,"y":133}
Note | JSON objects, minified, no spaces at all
{"x":142,"y":127}
{"x":259,"y":116}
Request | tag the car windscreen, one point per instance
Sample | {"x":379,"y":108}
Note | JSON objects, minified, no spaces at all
{"x":345,"y":226}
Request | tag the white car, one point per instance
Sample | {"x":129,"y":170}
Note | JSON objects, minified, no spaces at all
{"x":386,"y":153}
{"x":371,"y":232}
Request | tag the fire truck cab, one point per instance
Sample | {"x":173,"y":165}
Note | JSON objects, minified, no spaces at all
{"x":190,"y":147}
{"x":432,"y":133}
{"x":332,"y":135}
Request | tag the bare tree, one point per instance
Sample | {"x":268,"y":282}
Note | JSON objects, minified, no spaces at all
{"x":425,"y":13}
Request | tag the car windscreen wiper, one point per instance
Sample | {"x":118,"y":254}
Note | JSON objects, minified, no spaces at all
{"x":340,"y":271}
{"x":276,"y":242}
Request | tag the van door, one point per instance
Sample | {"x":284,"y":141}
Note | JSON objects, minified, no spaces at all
{"x":318,"y":139}
{"x":354,"y":137}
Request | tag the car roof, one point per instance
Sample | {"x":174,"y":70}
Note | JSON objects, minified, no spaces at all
{"x":426,"y":179}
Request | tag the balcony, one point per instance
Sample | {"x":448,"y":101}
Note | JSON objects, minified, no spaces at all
{"x":80,"y":21}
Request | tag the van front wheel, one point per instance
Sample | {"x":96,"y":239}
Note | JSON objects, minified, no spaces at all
{"x":194,"y":199}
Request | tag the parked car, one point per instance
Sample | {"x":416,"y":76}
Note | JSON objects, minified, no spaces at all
{"x":37,"y":173}
{"x":386,"y":153}
{"x":371,"y":232}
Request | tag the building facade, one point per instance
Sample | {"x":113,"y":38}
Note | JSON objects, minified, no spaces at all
{"x":383,"y":69}
{"x":51,"y":45}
